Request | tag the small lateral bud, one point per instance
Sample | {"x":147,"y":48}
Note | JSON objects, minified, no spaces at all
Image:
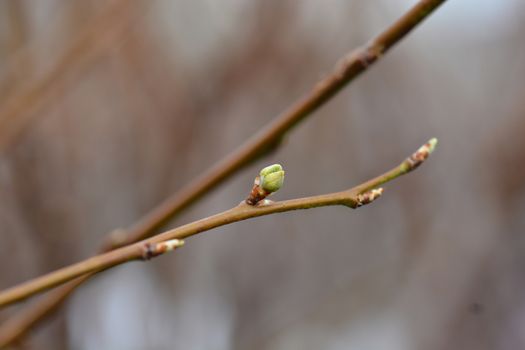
{"x":152,"y":250}
{"x":369,"y":196}
{"x":170,"y":245}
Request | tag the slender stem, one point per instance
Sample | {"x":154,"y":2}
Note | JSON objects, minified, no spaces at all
{"x":351,"y":198}
{"x":131,"y":252}
{"x":350,"y":67}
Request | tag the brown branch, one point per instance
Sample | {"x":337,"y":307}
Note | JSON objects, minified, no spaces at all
{"x":349,"y":68}
{"x":352,"y":198}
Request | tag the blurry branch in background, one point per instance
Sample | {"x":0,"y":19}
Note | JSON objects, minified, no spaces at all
{"x":353,"y":198}
{"x":18,"y":30}
{"x":96,"y":40}
{"x":349,"y":67}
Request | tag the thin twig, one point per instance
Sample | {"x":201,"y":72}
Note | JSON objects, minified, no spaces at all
{"x":352,"y":198}
{"x":349,"y":68}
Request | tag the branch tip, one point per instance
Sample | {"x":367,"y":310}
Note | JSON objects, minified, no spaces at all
{"x":419,"y":156}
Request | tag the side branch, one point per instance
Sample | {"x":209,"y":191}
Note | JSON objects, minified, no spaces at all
{"x":352,"y":198}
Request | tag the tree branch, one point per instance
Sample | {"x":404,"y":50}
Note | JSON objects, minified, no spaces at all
{"x":352,"y":198}
{"x":350,"y":67}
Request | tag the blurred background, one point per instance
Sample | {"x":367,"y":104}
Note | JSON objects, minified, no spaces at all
{"x":108,"y":107}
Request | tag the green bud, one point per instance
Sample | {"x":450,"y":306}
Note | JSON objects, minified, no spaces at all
{"x":270,"y":169}
{"x":272,"y":178}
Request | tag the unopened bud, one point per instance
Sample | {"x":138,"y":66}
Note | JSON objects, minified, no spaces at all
{"x":170,"y":245}
{"x":271,"y":178}
{"x":419,"y":156}
{"x":151,"y":250}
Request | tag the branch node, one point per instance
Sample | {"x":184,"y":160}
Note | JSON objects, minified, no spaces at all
{"x":369,"y":54}
{"x":265,"y":202}
{"x":368,"y":196}
{"x":270,"y":180}
{"x":147,"y":251}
